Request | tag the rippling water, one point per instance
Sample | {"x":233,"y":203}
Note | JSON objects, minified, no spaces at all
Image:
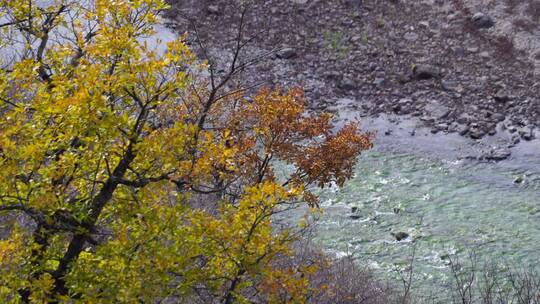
{"x":446,"y":207}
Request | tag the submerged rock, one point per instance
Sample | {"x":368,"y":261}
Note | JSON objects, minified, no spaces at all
{"x":399,"y":235}
{"x":519,"y":179}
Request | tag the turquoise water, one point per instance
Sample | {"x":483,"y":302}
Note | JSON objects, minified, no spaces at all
{"x":446,"y":207}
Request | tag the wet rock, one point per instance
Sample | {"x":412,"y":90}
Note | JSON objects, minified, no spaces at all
{"x":515,"y":139}
{"x":498,"y":154}
{"x":526,"y":133}
{"x":427,"y":119}
{"x":399,"y":236}
{"x":481,"y":20}
{"x":441,"y":127}
{"x":425,"y":71}
{"x":464,"y":119}
{"x":286,"y":53}
{"x":519,"y":179}
{"x":476,"y":131}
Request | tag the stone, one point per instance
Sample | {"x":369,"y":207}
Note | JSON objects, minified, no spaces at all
{"x":213,"y":9}
{"x":450,"y":85}
{"x":347,"y":84}
{"x":502,"y":96}
{"x":498,"y":154}
{"x":442,"y":127}
{"x":526,"y":133}
{"x":498,"y":117}
{"x":485,"y":55}
{"x":462,"y":130}
{"x":476,"y":131}
{"x":379,"y":82}
{"x":459,"y":51}
{"x":286,"y":53}
{"x":410,"y":36}
{"x":519,"y":179}
{"x":400,"y":235}
{"x":464,"y":119}
{"x":481,"y":20}
{"x":425,"y":71}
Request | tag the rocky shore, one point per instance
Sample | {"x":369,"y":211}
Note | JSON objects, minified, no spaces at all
{"x":454,"y":66}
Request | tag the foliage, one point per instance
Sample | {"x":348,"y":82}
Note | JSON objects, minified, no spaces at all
{"x":135,"y":177}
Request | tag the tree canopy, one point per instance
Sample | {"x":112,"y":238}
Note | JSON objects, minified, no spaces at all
{"x":128,"y":174}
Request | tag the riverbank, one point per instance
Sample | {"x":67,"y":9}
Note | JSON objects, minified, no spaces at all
{"x":433,"y":60}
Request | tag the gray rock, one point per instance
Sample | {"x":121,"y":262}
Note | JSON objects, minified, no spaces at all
{"x":502,"y":96}
{"x":286,"y":53}
{"x":462,"y":130}
{"x":526,"y":133}
{"x":347,"y":84}
{"x":464,"y":119}
{"x":442,"y":127}
{"x":476,"y":131}
{"x":379,"y":82}
{"x":482,"y":20}
{"x":425,"y":71}
{"x":498,"y":154}
{"x":213,"y":9}
{"x":485,"y":55}
{"x":498,"y":117}
{"x":410,"y":36}
{"x":450,"y":85}
{"x":459,"y":51}
{"x":511,"y":129}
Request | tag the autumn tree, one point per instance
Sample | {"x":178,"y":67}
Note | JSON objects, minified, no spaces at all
{"x":135,"y":174}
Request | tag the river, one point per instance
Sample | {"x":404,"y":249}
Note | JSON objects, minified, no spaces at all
{"x":426,"y":186}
